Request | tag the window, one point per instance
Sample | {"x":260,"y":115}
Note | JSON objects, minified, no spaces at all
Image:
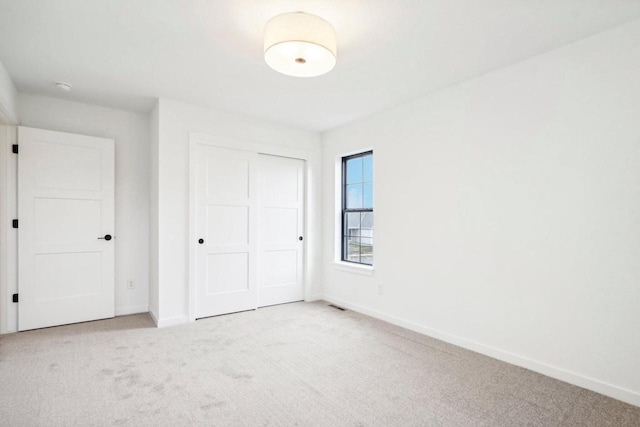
{"x":357,"y":208}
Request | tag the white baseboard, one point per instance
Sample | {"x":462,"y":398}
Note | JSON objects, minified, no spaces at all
{"x":170,"y":321}
{"x":620,"y":393}
{"x":153,"y":316}
{"x":314,"y":297}
{"x":133,"y":309}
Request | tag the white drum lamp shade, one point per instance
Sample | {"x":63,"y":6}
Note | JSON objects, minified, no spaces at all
{"x":299,"y":44}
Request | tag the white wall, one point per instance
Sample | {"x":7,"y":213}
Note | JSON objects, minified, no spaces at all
{"x":7,"y":98}
{"x":507,"y":214}
{"x":131,"y":134}
{"x":176,"y":120}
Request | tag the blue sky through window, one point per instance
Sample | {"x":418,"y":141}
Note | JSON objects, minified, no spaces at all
{"x":360,"y":170}
{"x":354,"y":196}
{"x":354,"y":170}
{"x":368,"y":195}
{"x":367,"y":168}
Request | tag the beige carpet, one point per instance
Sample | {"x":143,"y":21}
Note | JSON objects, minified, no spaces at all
{"x":291,"y":365}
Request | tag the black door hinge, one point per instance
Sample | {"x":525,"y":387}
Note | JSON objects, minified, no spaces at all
{"x":14,"y":148}
{"x":15,"y":223}
{"x":15,"y":297}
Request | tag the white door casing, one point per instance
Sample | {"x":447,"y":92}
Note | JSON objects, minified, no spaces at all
{"x":226,"y":224}
{"x":65,"y":204}
{"x":281,"y":226}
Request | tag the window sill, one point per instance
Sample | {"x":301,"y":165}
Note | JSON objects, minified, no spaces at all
{"x":354,"y":268}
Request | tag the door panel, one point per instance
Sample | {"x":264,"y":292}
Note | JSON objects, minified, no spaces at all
{"x":67,"y":166}
{"x":281,"y":224}
{"x":66,"y":275}
{"x":65,"y":202}
{"x":283,"y":267}
{"x":226,"y":220}
{"x":227,"y":225}
{"x":65,"y":221}
{"x":227,"y":273}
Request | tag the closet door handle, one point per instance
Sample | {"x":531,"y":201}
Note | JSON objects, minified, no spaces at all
{"x":106,"y":237}
{"x":201,"y":241}
{"x":300,"y":238}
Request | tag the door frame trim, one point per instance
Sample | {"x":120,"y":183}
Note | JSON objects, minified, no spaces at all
{"x":312,"y":162}
{"x":8,"y":235}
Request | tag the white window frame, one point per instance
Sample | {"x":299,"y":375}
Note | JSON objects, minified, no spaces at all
{"x":349,"y":267}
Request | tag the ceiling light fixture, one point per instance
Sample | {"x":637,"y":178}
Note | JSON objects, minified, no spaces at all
{"x":299,"y":44}
{"x":63,"y":86}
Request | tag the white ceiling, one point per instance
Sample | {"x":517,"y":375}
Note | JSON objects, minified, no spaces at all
{"x":126,"y":53}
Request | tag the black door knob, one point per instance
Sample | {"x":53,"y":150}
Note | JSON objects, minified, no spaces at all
{"x":201,"y":241}
{"x":300,"y":238}
{"x":106,"y":237}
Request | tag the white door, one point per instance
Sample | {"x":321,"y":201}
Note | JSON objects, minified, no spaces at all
{"x":65,"y":210}
{"x":281,"y":241}
{"x":226,"y":221}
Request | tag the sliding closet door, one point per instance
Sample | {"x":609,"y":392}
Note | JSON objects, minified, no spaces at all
{"x":281,"y":227}
{"x":226,"y":234}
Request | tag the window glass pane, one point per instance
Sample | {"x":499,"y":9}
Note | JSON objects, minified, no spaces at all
{"x":366,"y":250}
{"x":366,"y":224}
{"x":354,"y":196}
{"x":368,"y":195}
{"x":354,"y":170}
{"x":352,"y":225}
{"x":367,"y":166}
{"x":353,"y":250}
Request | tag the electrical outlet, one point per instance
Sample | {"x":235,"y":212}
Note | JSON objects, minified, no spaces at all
{"x":380,"y":289}
{"x":131,"y":284}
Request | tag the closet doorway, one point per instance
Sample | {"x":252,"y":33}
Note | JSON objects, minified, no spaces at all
{"x":248,"y":213}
